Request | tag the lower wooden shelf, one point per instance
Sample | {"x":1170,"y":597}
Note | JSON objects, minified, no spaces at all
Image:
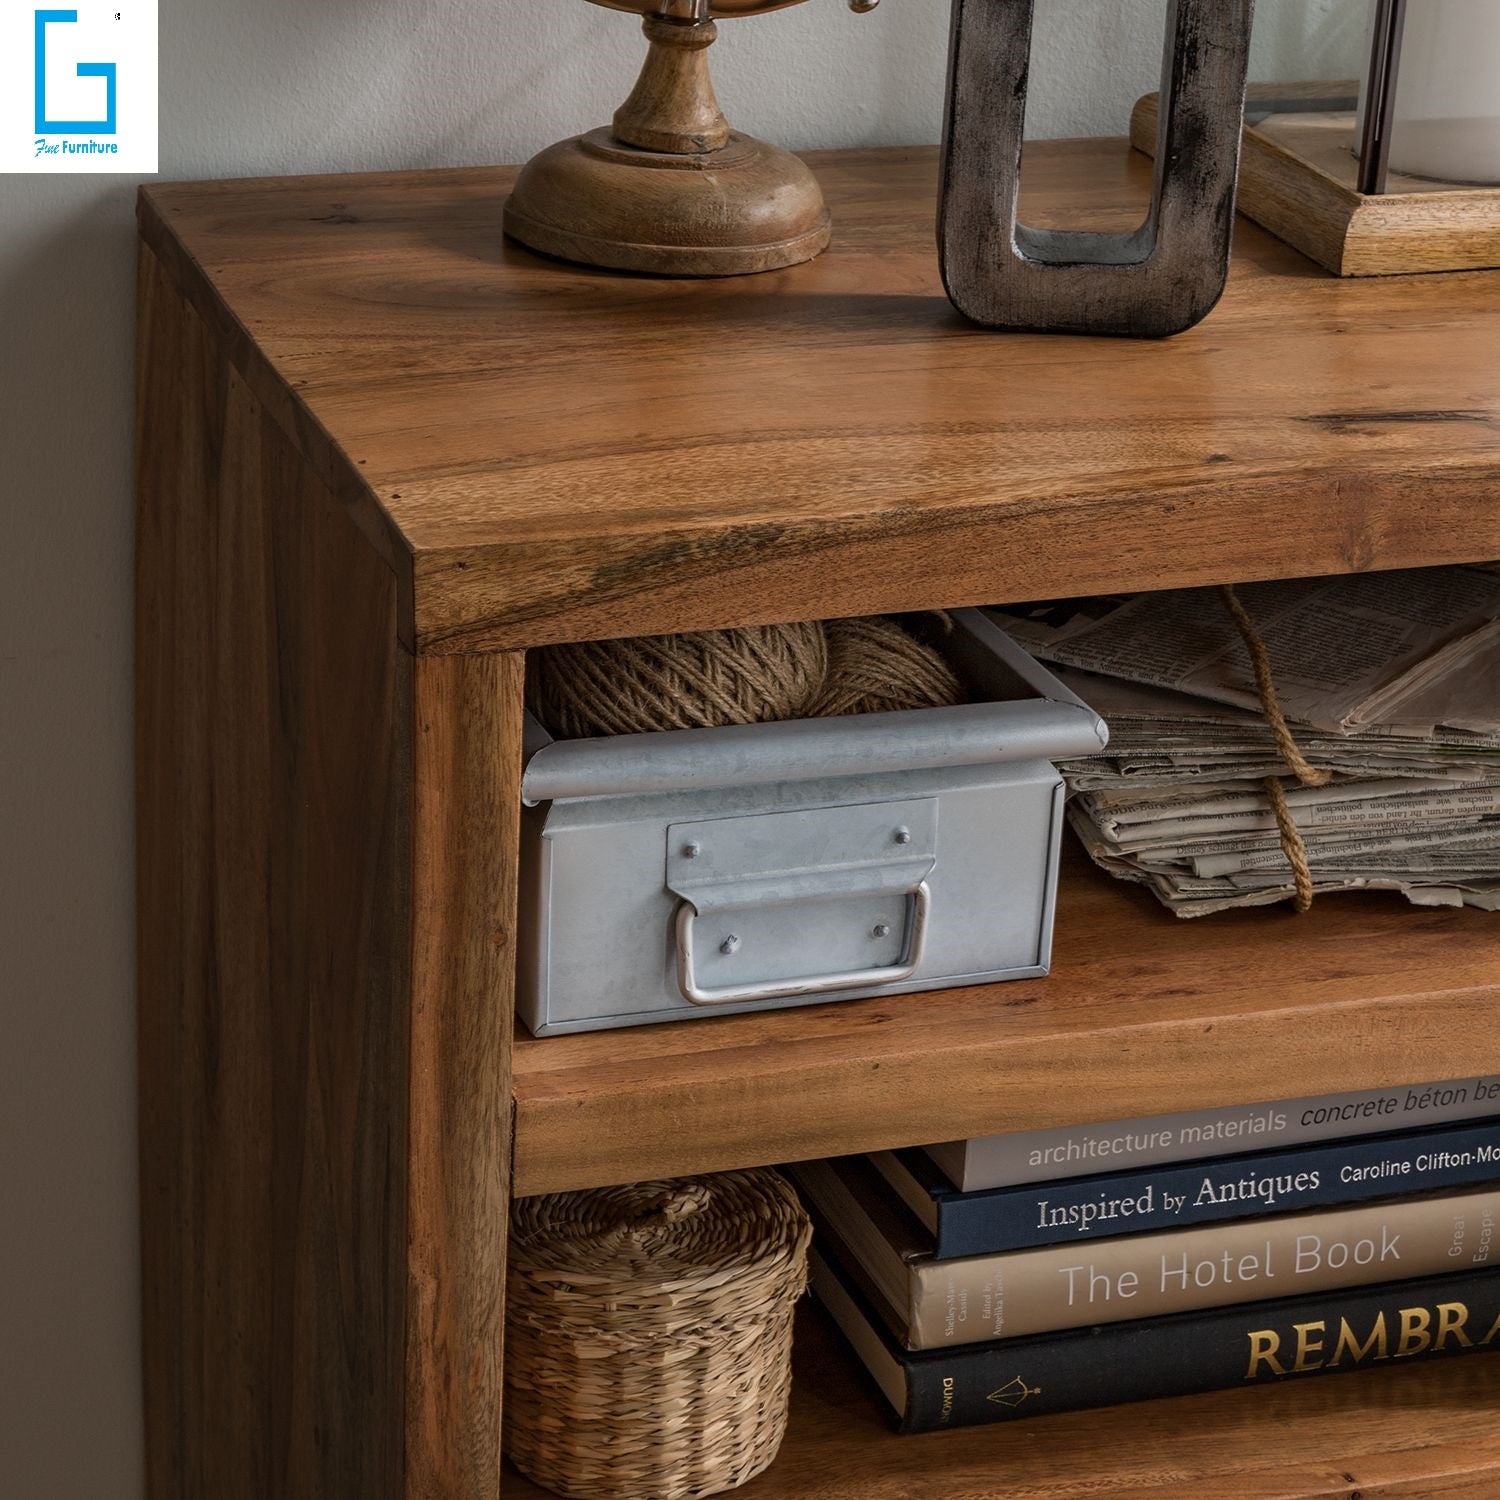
{"x":1143,"y":1014}
{"x":1418,"y":1431}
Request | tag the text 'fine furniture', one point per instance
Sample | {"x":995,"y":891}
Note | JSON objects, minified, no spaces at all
{"x":383,"y":451}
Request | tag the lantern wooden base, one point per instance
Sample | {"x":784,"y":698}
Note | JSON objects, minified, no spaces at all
{"x":748,"y":207}
{"x":1297,"y":179}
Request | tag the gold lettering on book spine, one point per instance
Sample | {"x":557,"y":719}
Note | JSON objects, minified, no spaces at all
{"x":1415,"y":1334}
{"x":1452,"y":1316}
{"x":1264,"y":1342}
{"x":1359,"y":1353}
{"x":1308,"y":1346}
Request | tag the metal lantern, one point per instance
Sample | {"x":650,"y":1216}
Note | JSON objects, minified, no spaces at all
{"x":1445,"y":124}
{"x":1380,"y":95}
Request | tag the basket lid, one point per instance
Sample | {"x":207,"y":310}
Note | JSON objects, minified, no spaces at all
{"x":609,"y":1257}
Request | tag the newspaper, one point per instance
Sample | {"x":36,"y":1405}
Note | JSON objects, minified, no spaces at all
{"x":1411,"y":650}
{"x":1188,"y":896}
{"x":1392,"y":685}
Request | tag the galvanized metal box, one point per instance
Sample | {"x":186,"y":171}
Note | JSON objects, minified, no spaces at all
{"x":708,"y":871}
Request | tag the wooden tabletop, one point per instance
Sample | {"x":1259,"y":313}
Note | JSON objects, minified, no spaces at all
{"x":544,"y":452}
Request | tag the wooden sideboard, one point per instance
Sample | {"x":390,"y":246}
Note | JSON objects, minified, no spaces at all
{"x":382,"y":452}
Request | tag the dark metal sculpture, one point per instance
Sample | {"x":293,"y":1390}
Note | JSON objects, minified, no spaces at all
{"x":1157,"y":279}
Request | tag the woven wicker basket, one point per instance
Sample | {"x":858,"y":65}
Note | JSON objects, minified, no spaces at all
{"x":649,"y":1335}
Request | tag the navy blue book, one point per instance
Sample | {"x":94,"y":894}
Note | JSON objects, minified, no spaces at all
{"x":1323,"y":1174}
{"x":1259,"y":1343}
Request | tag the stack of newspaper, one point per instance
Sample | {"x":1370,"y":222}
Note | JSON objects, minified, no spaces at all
{"x":1390,"y":681}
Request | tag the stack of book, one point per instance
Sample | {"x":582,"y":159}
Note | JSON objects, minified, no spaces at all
{"x":1017,"y":1275}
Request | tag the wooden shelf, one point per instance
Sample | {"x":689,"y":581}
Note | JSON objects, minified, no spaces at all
{"x":1143,"y":1014}
{"x":1419,"y":1431}
{"x":380,"y":452}
{"x":547,"y":452}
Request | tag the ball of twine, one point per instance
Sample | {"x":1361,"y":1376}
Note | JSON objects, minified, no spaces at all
{"x":648,"y":1332}
{"x":753,"y":675}
{"x":700,"y":680}
{"x":874,"y":666}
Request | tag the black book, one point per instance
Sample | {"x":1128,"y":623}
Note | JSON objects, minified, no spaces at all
{"x":1324,"y":1174}
{"x":1263,"y":1343}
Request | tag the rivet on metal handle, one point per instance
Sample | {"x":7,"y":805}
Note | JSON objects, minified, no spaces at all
{"x":911,"y":961}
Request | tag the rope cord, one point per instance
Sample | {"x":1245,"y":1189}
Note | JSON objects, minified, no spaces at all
{"x":1307,"y":774}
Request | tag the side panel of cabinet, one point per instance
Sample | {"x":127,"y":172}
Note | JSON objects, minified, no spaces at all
{"x":326,"y":835}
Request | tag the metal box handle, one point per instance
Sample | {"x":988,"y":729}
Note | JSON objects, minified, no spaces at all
{"x":687,"y":981}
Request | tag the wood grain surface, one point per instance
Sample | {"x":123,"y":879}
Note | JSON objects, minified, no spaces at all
{"x":1397,"y":1434}
{"x":1143,"y":1014}
{"x":273,"y":868}
{"x":327,"y":853}
{"x":1298,"y":178}
{"x":468,"y":804}
{"x":673,"y":106}
{"x":548,"y":452}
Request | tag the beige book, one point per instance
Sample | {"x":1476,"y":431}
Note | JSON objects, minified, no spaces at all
{"x":1140,"y":1276}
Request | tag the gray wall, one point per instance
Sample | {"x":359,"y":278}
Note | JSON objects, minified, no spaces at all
{"x":279,"y":86}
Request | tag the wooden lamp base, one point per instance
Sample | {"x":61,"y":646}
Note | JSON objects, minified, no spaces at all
{"x":747,"y":207}
{"x":671,"y":189}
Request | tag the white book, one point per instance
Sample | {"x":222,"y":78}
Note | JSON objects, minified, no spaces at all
{"x":993,"y":1161}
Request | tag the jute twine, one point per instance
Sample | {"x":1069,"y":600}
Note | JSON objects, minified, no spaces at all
{"x":754,"y":675}
{"x":874,"y":666}
{"x":1297,"y":763}
{"x":649,"y":1333}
